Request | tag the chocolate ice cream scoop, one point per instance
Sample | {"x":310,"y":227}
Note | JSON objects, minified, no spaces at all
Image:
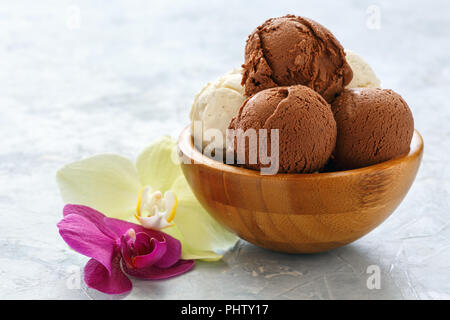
{"x":305,"y":123}
{"x":374,"y":125}
{"x":294,"y":50}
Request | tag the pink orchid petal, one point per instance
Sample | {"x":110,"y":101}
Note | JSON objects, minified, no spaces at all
{"x":155,"y":273}
{"x":170,"y":258}
{"x":156,"y":252}
{"x":96,"y":276}
{"x":86,"y":238}
{"x":92,"y":215}
{"x":173,"y":246}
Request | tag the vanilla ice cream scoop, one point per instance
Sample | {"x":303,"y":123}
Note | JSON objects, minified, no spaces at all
{"x":214,"y":107}
{"x":363,"y":74}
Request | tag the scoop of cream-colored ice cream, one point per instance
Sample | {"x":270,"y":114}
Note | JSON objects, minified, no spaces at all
{"x":363,"y":74}
{"x":214,"y":107}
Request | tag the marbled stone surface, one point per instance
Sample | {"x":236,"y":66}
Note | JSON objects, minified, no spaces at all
{"x":127,"y":73}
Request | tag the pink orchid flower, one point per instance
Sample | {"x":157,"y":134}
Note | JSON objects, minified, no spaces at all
{"x":115,"y":245}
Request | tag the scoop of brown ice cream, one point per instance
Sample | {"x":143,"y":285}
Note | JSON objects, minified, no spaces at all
{"x":307,"y":130}
{"x":374,"y":125}
{"x":294,"y":50}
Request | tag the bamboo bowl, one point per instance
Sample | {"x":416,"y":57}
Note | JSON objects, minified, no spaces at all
{"x":299,"y":213}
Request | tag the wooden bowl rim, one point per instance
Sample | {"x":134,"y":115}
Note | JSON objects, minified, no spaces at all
{"x":187,"y":148}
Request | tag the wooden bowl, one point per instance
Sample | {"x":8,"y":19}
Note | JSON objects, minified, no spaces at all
{"x":299,"y":213}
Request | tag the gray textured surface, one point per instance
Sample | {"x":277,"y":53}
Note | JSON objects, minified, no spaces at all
{"x":128,"y":75}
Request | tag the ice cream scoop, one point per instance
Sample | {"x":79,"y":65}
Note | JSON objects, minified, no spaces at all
{"x":363,"y":74}
{"x":294,"y":50}
{"x":214,"y":107}
{"x":305,"y":123}
{"x":373,"y":125}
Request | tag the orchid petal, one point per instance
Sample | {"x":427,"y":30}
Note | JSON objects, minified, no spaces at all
{"x":155,"y":273}
{"x":108,"y":183}
{"x":92,"y":215}
{"x":96,"y":276}
{"x":200,"y":234}
{"x":189,"y":253}
{"x":86,"y":238}
{"x":173,"y":246}
{"x":157,"y":165}
{"x":170,"y":257}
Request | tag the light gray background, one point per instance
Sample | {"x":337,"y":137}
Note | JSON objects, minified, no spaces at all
{"x":129,"y":74}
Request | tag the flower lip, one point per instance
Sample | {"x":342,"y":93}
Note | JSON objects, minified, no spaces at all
{"x":155,"y":211}
{"x":140,"y":250}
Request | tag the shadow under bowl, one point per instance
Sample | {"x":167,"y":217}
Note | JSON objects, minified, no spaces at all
{"x":299,"y":213}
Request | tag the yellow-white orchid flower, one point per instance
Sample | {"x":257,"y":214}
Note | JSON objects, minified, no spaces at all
{"x":154,"y":192}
